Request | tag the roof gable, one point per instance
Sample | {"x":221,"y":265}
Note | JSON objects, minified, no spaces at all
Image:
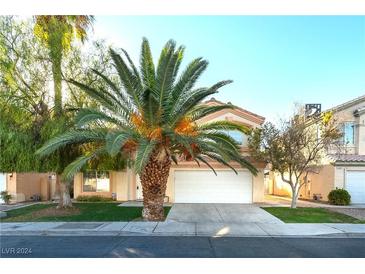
{"x":236,"y":111}
{"x":349,"y":104}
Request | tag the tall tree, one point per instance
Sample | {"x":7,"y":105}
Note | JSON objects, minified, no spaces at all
{"x":27,"y":119}
{"x":153,"y":117}
{"x":24,"y":78}
{"x":58,"y":32}
{"x":295,"y":148}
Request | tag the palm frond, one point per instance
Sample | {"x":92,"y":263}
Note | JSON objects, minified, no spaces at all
{"x":143,"y":153}
{"x":201,"y":158}
{"x":168,"y":64}
{"x":147,"y":66}
{"x":87,"y":115}
{"x":221,"y":138}
{"x":102,"y":96}
{"x":129,"y":81}
{"x":125,"y":100}
{"x":134,"y":69}
{"x":219,"y":159}
{"x":78,"y":164}
{"x":115,"y":141}
{"x":224,"y":126}
{"x":202,"y":110}
{"x":185,"y":83}
{"x":191,"y":100}
{"x":72,"y":137}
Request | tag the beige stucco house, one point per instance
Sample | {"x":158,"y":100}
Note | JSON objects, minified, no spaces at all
{"x":188,"y":183}
{"x":341,"y":168}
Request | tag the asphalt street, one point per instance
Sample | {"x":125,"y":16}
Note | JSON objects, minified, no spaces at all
{"x":179,"y":247}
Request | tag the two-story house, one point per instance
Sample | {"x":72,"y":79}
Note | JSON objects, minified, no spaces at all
{"x":344,"y":167}
{"x":188,"y":182}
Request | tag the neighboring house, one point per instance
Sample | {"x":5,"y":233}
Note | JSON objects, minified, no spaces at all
{"x":188,"y":183}
{"x":341,"y":168}
{"x":31,"y":186}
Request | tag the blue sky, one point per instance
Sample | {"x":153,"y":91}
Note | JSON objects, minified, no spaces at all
{"x":274,"y":61}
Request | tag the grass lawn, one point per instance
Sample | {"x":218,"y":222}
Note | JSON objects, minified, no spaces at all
{"x":81,"y":212}
{"x":310,"y":215}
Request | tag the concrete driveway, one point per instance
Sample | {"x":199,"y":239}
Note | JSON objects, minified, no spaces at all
{"x":220,"y":213}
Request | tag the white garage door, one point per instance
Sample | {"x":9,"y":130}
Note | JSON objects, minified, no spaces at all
{"x":203,"y":186}
{"x":355,"y":185}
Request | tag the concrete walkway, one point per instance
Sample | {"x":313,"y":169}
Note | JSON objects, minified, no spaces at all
{"x":172,"y":228}
{"x":5,"y":207}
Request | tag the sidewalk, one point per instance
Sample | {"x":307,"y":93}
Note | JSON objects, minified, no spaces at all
{"x":171,"y":228}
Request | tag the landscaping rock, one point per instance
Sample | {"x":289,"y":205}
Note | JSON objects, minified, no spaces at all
{"x":358,"y":213}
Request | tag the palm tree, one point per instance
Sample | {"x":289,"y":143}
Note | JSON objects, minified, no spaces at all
{"x":57,"y":33}
{"x":151,"y":115}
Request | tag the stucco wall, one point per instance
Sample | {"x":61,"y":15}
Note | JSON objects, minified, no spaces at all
{"x":22,"y":186}
{"x":279,"y":187}
{"x":320,"y":184}
{"x":30,"y":184}
{"x":11,"y":183}
{"x":258,"y":187}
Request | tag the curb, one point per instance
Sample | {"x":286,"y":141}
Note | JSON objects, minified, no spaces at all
{"x":129,"y":234}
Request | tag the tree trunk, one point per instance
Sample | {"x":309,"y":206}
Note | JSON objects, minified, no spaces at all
{"x":154,"y":180}
{"x":57,"y":85}
{"x":294,"y":199}
{"x":65,"y":198}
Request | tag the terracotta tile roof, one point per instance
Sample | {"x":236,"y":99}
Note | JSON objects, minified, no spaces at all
{"x":215,"y":101}
{"x":347,"y":158}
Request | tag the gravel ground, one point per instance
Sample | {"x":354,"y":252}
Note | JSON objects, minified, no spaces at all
{"x":358,"y":213}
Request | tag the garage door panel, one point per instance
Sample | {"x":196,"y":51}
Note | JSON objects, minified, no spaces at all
{"x":202,"y":186}
{"x":355,"y":185}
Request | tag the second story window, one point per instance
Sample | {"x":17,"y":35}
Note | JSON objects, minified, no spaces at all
{"x":348,"y":133}
{"x":239,"y":137}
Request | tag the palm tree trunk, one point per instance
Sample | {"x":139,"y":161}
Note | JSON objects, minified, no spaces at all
{"x":65,"y":198}
{"x":57,"y":82}
{"x":154,"y":180}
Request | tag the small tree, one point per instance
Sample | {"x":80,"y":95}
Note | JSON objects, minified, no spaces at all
{"x":295,"y":148}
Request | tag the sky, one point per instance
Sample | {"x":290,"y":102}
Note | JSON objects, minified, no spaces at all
{"x":274,"y":61}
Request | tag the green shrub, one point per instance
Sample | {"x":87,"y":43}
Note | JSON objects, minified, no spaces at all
{"x":93,"y":198}
{"x":339,"y":197}
{"x":5,"y":196}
